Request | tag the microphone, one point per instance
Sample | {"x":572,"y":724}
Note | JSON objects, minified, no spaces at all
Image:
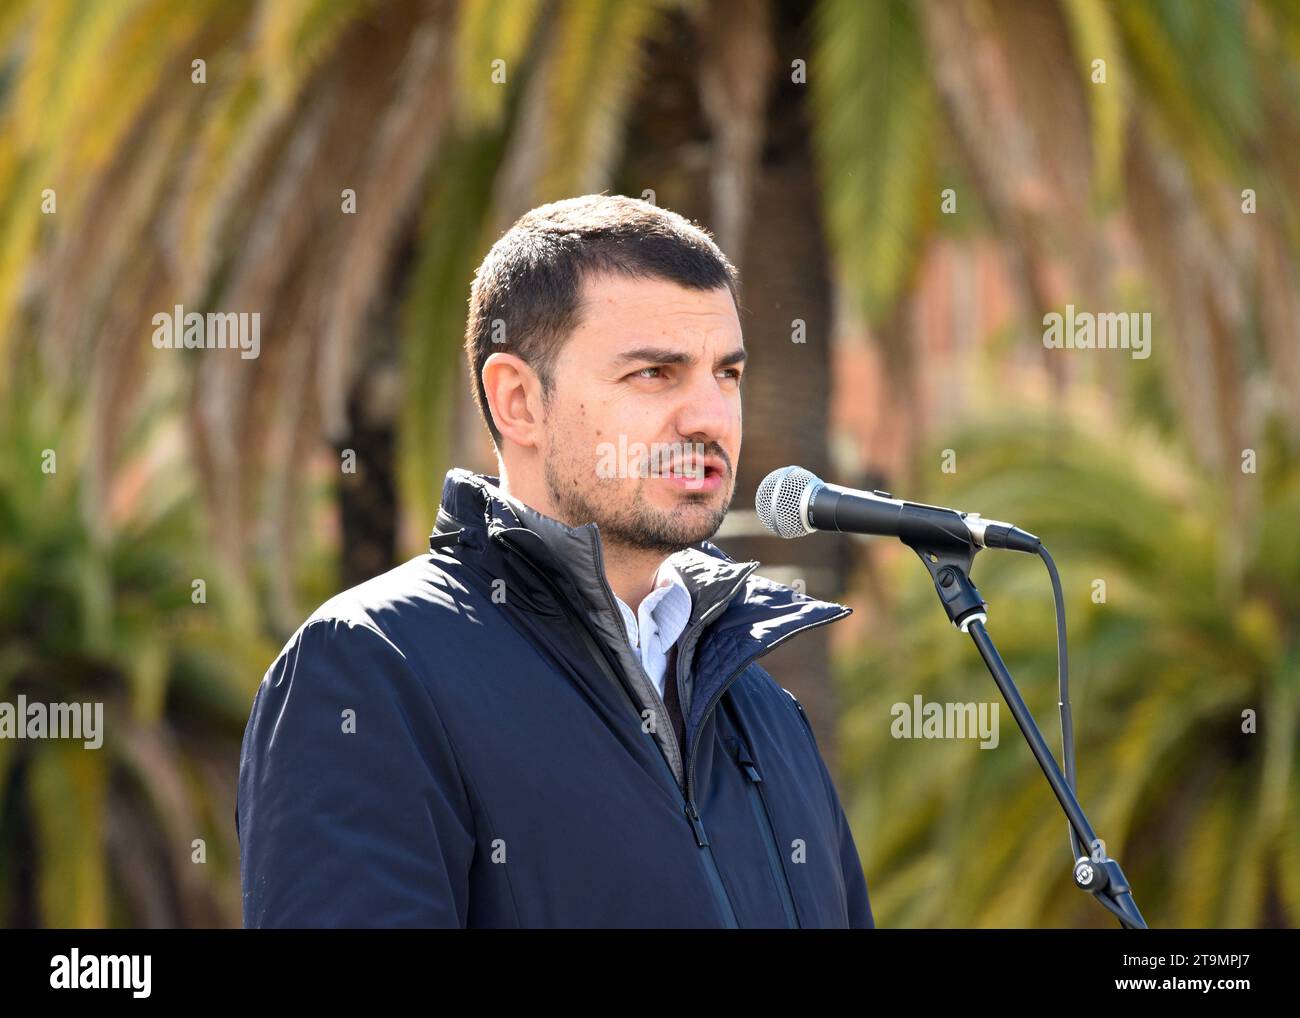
{"x":793,"y":502}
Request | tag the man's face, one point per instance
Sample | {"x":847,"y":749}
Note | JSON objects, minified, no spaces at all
{"x":643,"y":423}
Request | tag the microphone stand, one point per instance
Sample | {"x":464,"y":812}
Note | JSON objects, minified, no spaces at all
{"x":948,"y":551}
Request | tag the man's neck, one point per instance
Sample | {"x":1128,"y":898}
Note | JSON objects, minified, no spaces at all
{"x":630,"y":572}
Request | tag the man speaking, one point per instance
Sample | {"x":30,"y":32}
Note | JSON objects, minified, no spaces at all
{"x":556,"y":717}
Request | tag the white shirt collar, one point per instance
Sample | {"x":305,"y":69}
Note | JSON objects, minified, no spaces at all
{"x":659,"y":621}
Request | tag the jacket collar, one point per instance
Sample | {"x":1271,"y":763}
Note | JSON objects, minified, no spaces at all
{"x":476,"y":501}
{"x":758,"y":612}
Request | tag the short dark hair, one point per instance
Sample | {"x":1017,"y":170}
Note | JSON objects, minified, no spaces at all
{"x":526,"y":293}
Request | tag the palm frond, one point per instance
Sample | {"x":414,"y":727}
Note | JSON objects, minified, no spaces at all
{"x":871,"y":101}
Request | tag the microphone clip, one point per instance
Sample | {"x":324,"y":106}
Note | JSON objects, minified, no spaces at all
{"x":949,"y":560}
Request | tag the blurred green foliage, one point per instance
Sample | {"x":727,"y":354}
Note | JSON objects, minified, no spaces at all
{"x":227,"y":194}
{"x":1179,"y":623}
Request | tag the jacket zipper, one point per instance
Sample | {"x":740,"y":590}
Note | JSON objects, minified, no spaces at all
{"x":764,"y":818}
{"x":713,"y":700}
{"x":669,"y":734}
{"x":689,"y":808}
{"x":722,"y":898}
{"x":692,"y":811}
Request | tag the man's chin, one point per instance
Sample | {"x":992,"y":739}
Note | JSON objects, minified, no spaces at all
{"x":683,"y":526}
{"x":657,"y":520}
{"x":671,"y":496}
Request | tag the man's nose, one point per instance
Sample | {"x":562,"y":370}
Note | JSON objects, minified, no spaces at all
{"x":706,"y":410}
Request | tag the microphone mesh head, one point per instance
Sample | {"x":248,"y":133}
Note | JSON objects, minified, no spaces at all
{"x":781,"y":498}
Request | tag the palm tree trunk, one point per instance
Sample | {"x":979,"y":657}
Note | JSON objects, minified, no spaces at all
{"x":785,"y":277}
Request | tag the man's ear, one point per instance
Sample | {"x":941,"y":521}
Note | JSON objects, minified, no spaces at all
{"x":514,"y":395}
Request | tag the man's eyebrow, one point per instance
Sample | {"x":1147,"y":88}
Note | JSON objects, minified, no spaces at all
{"x":663,"y":355}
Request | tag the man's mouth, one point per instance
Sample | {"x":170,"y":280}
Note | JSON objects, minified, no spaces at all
{"x":696,"y":469}
{"x":696,"y":475}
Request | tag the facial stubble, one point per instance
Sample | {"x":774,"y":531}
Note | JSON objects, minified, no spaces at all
{"x":639,"y":526}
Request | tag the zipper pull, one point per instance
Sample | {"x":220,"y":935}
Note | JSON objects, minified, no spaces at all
{"x":746,"y":764}
{"x":437,"y":541}
{"x":693,"y":815}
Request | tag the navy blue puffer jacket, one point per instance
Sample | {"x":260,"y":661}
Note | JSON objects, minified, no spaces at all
{"x":469,"y":740}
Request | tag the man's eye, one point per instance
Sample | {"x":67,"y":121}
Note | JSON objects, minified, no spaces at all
{"x":735,"y":373}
